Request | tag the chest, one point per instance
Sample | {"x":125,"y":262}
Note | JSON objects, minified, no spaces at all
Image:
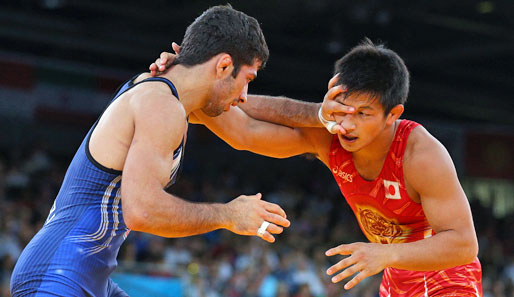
{"x":387,"y":193}
{"x":370,"y":172}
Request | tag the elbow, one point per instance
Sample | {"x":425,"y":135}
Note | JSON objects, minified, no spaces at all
{"x":135,"y":218}
{"x":474,"y":250}
{"x":470,"y":250}
{"x":133,"y":221}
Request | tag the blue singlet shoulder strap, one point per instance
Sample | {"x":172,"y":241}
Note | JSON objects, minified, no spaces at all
{"x":164,"y":80}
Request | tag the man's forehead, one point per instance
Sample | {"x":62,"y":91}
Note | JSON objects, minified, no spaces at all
{"x":257,"y":63}
{"x":252,"y":69}
{"x":359,"y":100}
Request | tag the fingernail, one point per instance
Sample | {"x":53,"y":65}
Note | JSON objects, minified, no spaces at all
{"x":334,"y":279}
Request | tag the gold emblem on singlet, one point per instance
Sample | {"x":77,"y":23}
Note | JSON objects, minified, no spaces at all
{"x":380,"y":229}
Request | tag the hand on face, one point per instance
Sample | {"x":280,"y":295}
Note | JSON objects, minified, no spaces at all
{"x":331,"y":107}
{"x":249,"y":212}
{"x":366,"y":259}
{"x":164,"y":62}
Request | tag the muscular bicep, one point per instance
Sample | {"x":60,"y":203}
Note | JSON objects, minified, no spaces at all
{"x":158,"y":129}
{"x":242,"y":132}
{"x":433,"y":176}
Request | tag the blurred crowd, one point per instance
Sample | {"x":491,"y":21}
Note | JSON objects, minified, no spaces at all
{"x":221,"y":263}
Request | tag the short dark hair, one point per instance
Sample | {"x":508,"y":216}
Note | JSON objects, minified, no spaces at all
{"x":222,"y":29}
{"x":374,"y":69}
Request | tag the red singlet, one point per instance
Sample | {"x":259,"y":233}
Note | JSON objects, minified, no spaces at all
{"x":386,"y":214}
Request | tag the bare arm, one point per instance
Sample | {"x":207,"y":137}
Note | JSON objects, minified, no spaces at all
{"x":431,"y":173}
{"x":295,"y":113}
{"x":282,"y":110}
{"x":243,"y":132}
{"x":275,"y":109}
{"x":159,"y":126}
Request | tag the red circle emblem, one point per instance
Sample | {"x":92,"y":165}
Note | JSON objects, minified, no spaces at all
{"x":392,"y":191}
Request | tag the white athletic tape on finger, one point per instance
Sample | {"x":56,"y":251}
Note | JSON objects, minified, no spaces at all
{"x":328,"y":124}
{"x":262,"y":228}
{"x":331,"y":127}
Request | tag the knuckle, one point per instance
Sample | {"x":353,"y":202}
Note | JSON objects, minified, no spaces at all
{"x":352,"y":269}
{"x":343,"y":263}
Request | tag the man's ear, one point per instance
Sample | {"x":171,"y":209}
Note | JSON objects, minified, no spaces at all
{"x":394,"y":114}
{"x":224,"y":66}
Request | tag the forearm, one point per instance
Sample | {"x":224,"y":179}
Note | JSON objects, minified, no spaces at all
{"x":282,"y":110}
{"x":169,"y":216}
{"x":243,"y":132}
{"x":441,"y":251}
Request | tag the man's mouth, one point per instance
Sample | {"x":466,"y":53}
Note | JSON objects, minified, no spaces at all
{"x":349,"y":138}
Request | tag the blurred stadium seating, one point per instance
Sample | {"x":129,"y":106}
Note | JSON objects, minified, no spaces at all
{"x":59,"y":64}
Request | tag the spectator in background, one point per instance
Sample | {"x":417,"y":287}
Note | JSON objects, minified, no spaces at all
{"x":346,"y":231}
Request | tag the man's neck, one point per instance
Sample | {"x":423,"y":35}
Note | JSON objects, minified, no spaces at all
{"x":193,"y":85}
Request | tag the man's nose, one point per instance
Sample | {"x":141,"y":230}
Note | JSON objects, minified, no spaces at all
{"x":244,"y":95}
{"x":348,"y":122}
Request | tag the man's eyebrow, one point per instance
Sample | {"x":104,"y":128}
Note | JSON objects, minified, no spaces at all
{"x":341,"y":101}
{"x":366,"y":107}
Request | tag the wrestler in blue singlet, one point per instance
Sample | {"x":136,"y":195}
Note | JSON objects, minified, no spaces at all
{"x":75,"y":251}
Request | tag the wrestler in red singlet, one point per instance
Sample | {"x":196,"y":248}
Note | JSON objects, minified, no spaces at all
{"x":386,"y":214}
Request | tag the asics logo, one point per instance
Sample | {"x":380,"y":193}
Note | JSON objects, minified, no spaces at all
{"x":348,"y":177}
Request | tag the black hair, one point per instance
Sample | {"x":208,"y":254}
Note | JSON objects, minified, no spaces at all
{"x":376,"y":70}
{"x":222,"y":29}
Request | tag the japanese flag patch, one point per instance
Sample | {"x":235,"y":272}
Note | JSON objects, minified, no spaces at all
{"x":392,"y":189}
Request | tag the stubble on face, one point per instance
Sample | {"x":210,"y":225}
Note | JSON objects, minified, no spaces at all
{"x":219,"y":98}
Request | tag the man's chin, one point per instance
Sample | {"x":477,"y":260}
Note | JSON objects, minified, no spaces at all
{"x":213,"y":113}
{"x":352,"y":148}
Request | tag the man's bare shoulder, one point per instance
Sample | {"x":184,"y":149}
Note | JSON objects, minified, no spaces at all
{"x":425,"y":159}
{"x":156,"y":98}
{"x":157,"y":112}
{"x":420,"y":145}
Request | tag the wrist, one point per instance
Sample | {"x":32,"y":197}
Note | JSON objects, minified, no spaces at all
{"x":315,"y":111}
{"x":391,"y":254}
{"x":224,"y":212}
